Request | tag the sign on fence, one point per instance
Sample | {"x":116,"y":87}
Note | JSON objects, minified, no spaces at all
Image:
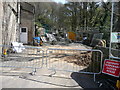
{"x":111,"y":67}
{"x":115,"y":37}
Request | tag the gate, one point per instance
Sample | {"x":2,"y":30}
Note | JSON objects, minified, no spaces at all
{"x":70,"y":60}
{"x":21,"y":57}
{"x":74,"y":60}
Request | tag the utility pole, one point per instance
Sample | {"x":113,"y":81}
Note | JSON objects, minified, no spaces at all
{"x":111,"y":29}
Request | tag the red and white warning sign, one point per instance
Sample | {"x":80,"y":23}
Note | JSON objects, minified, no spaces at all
{"x":111,"y":67}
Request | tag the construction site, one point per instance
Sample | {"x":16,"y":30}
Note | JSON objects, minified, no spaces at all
{"x":58,"y":44}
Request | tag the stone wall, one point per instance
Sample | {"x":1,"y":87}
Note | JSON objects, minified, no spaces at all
{"x":1,"y":17}
{"x":9,"y":22}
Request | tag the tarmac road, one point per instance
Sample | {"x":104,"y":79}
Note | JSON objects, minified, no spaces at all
{"x":44,"y":78}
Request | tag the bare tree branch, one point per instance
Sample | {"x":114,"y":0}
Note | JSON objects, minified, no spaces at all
{"x":105,"y":6}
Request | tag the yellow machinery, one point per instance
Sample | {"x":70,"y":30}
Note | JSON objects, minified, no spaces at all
{"x":72,"y":36}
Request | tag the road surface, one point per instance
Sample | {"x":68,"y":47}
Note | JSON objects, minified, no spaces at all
{"x":43,"y":78}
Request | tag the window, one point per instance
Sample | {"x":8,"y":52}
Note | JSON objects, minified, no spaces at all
{"x":23,"y":29}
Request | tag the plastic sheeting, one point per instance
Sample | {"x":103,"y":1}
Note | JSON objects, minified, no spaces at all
{"x":17,"y":47}
{"x":51,"y":37}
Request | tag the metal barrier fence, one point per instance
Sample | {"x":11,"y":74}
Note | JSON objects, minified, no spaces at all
{"x":74,"y":60}
{"x":71,"y":60}
{"x":21,"y":57}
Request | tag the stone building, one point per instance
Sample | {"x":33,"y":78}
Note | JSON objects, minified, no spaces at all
{"x":27,"y":28}
{"x":14,"y":17}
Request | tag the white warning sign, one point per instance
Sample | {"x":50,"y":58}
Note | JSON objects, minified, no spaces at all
{"x":115,"y":37}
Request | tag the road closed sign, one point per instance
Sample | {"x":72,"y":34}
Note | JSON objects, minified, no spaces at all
{"x":111,"y":67}
{"x":115,"y":37}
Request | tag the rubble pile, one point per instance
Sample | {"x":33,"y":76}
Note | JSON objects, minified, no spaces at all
{"x":82,"y":59}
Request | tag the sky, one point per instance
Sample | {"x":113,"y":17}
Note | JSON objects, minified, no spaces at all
{"x":60,"y":1}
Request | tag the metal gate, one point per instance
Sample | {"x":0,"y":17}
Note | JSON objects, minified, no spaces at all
{"x":70,"y":60}
{"x":22,"y":57}
{"x":74,"y":60}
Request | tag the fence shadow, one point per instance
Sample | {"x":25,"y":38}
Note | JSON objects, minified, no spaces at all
{"x":50,"y":83}
{"x":84,"y":80}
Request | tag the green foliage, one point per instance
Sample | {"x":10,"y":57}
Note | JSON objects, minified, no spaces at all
{"x":38,"y":24}
{"x":73,"y":15}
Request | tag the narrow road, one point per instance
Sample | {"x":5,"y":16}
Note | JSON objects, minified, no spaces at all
{"x":43,"y":78}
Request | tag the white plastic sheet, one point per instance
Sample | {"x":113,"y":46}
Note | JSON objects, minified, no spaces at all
{"x":17,"y":47}
{"x":43,"y":39}
{"x":51,"y":37}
